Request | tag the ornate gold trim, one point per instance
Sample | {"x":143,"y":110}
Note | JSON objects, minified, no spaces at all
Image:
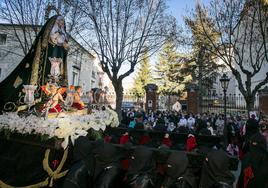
{"x":53,"y":175}
{"x":36,"y":64}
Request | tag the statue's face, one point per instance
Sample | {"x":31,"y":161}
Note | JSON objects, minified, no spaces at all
{"x":61,"y":22}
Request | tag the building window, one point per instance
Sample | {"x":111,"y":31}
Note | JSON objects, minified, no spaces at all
{"x":3,"y":39}
{"x":75,"y":79}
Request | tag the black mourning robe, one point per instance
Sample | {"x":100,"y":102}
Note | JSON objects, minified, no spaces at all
{"x":32,"y":70}
{"x":177,"y":163}
{"x":215,"y":172}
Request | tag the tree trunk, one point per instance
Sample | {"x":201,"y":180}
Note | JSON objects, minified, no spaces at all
{"x":250,"y":104}
{"x":118,"y":87}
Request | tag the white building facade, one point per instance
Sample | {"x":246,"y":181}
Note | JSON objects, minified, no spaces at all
{"x":83,"y":67}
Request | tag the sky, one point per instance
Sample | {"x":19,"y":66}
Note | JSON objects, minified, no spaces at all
{"x":178,"y":9}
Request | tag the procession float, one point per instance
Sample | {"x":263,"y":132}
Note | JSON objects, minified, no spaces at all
{"x":41,"y":116}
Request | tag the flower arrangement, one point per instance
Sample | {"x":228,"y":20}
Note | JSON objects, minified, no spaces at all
{"x":64,"y":127}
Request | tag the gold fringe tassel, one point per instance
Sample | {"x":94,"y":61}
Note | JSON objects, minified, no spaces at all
{"x":53,"y":175}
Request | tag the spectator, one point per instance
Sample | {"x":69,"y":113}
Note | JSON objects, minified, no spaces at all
{"x":191,"y":121}
{"x":219,"y":125}
{"x":132,"y":123}
{"x":232,"y":148}
{"x":182,"y":122}
{"x":171,"y":127}
{"x":139,"y":121}
{"x":252,"y":127}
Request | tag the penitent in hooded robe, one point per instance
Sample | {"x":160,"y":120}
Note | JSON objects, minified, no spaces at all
{"x":177,"y":163}
{"x":47,"y":56}
{"x":215,"y":171}
{"x":141,"y":173}
{"x":80,"y":173}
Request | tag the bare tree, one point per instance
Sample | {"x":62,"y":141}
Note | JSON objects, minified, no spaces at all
{"x":119,"y":32}
{"x":27,"y":16}
{"x":242,"y":27}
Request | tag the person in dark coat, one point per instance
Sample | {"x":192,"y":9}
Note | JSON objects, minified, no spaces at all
{"x":176,"y":166}
{"x":215,"y":171}
{"x":80,"y":174}
{"x":254,"y":168}
{"x":141,"y":173}
{"x":252,"y":127}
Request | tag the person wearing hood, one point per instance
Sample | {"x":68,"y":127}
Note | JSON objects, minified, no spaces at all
{"x":167,"y":141}
{"x":141,"y":172}
{"x":107,"y":166}
{"x":176,"y":167}
{"x":191,"y":143}
{"x":254,"y":168}
{"x":124,"y":138}
{"x":80,"y":173}
{"x":215,"y":171}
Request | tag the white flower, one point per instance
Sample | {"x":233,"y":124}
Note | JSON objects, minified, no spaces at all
{"x":64,"y":127}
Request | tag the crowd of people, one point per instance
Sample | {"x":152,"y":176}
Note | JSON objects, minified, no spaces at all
{"x":243,"y":137}
{"x":200,"y":124}
{"x":101,"y":164}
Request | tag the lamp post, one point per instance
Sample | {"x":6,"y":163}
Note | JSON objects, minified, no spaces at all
{"x":224,"y":84}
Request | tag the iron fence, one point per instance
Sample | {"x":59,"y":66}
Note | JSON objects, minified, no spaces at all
{"x":235,"y":103}
{"x":130,"y":100}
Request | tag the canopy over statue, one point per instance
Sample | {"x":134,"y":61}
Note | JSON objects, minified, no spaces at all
{"x":45,"y":62}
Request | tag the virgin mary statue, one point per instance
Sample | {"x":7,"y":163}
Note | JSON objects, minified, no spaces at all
{"x":45,"y":62}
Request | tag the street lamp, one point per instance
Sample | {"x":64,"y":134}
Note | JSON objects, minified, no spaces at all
{"x":224,"y":84}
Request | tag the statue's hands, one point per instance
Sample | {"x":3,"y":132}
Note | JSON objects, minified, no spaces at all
{"x":66,"y":46}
